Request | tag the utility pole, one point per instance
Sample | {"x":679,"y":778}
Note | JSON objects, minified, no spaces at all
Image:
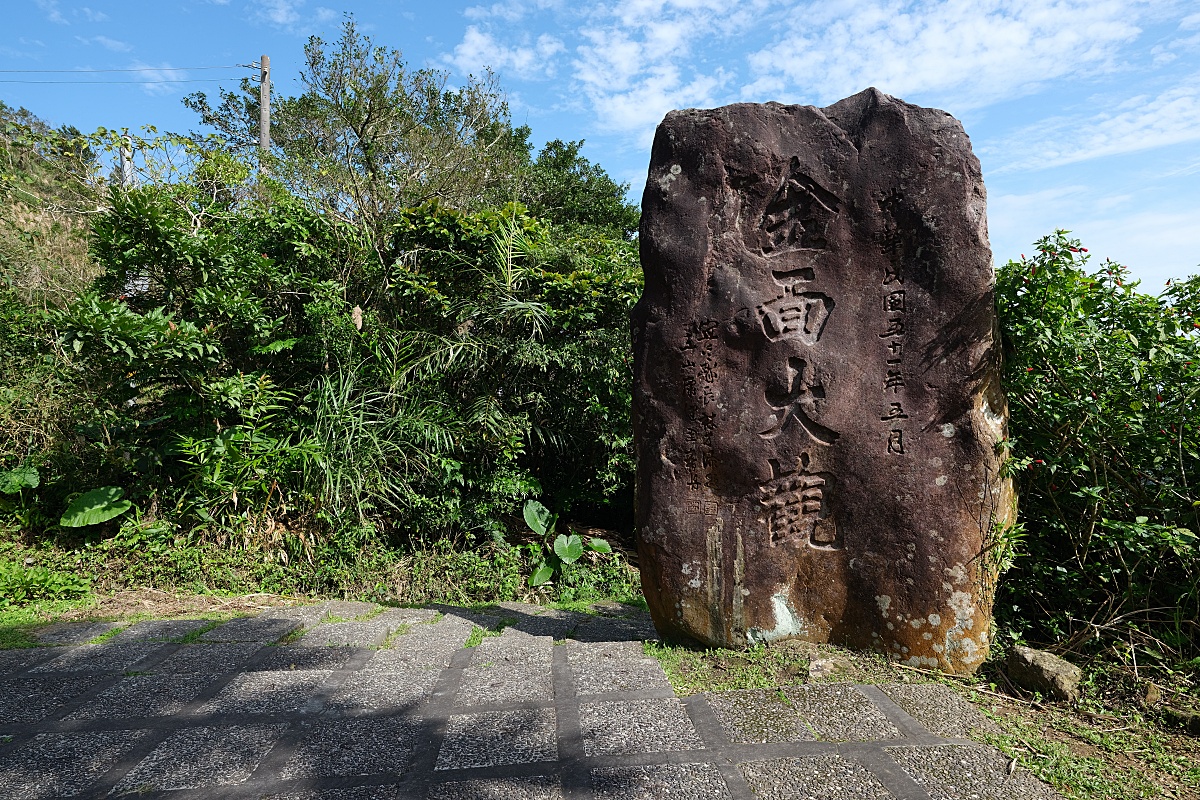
{"x":264,"y":104}
{"x":126,"y":162}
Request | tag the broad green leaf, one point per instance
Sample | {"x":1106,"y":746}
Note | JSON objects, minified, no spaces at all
{"x":541,"y":575}
{"x":275,"y":347}
{"x":94,"y":507}
{"x":568,"y":548}
{"x":599,"y":545}
{"x":538,"y":518}
{"x":1141,"y":520}
{"x":14,"y":480}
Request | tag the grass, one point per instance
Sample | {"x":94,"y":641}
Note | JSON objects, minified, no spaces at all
{"x":17,"y":623}
{"x":719,"y":670}
{"x":478,"y":634}
{"x":104,"y":637}
{"x":1106,"y":748}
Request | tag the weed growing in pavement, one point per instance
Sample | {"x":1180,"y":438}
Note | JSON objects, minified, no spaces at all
{"x":720,"y":670}
{"x":104,"y":637}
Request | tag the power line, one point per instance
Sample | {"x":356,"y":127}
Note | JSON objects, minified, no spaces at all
{"x":129,"y":83}
{"x":130,"y":69}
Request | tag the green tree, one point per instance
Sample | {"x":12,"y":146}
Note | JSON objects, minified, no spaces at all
{"x":369,"y":135}
{"x":1103,"y":383}
{"x":563,"y":186}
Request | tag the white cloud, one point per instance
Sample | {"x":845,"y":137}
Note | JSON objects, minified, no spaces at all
{"x":639,"y":58}
{"x":153,"y":76}
{"x":509,"y":10}
{"x":92,"y":15}
{"x":281,"y":13}
{"x":530,"y":58}
{"x":53,"y":14}
{"x":290,"y":16}
{"x":107,"y":43}
{"x":1156,"y":243}
{"x":1139,"y":123}
{"x":977,"y":51}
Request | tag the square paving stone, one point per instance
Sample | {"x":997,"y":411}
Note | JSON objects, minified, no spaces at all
{"x":252,"y":629}
{"x":953,"y":772}
{"x":544,"y":787}
{"x":758,"y":716}
{"x":145,"y":696}
{"x":489,"y":619}
{"x":209,"y":659}
{"x":606,"y":667}
{"x":198,"y":757}
{"x":159,"y":630}
{"x":498,"y":737}
{"x":353,"y":747}
{"x":14,"y":662}
{"x":61,"y":633}
{"x":349,"y":609}
{"x":609,"y":629}
{"x":349,"y":634}
{"x":390,"y":691}
{"x":840,"y":713}
{"x":99,"y":657}
{"x":277,"y":692}
{"x":504,"y":683}
{"x":828,"y":777}
{"x":307,"y":616}
{"x":62,"y":764}
{"x":513,"y":647}
{"x":290,"y":658}
{"x":359,"y":793}
{"x":407,"y":616}
{"x":636,"y":726}
{"x":32,"y":697}
{"x":659,"y":782}
{"x":425,"y":647}
{"x":540,"y":620}
{"x":940,"y":709}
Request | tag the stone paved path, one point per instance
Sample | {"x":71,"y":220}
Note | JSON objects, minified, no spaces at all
{"x":331,"y":715}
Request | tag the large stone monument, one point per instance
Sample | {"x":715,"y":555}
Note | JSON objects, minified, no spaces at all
{"x":816,"y":401}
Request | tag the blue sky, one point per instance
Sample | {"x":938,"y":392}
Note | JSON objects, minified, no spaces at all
{"x":1085,"y":113}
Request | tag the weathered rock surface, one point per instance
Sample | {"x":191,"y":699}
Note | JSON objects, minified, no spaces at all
{"x":1039,"y":671}
{"x":816,"y":397}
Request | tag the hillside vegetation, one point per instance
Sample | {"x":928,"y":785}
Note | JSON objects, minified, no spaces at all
{"x":347,"y":365}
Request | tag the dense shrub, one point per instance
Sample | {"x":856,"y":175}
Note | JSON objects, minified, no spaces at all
{"x":1103,"y":383}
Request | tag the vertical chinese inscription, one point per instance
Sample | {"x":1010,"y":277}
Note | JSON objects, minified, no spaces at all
{"x":894,"y":335}
{"x":698,"y":380}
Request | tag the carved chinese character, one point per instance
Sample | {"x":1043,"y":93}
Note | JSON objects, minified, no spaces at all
{"x":796,"y":316}
{"x":891,"y":274}
{"x":894,"y":412}
{"x":894,"y":380}
{"x":798,"y":506}
{"x":896,"y":442}
{"x":895,"y":327}
{"x":894,"y":301}
{"x":798,"y":215}
{"x":789,"y":405}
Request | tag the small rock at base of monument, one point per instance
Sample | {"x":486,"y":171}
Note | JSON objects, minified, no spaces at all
{"x":1039,"y":671}
{"x":817,"y":404}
